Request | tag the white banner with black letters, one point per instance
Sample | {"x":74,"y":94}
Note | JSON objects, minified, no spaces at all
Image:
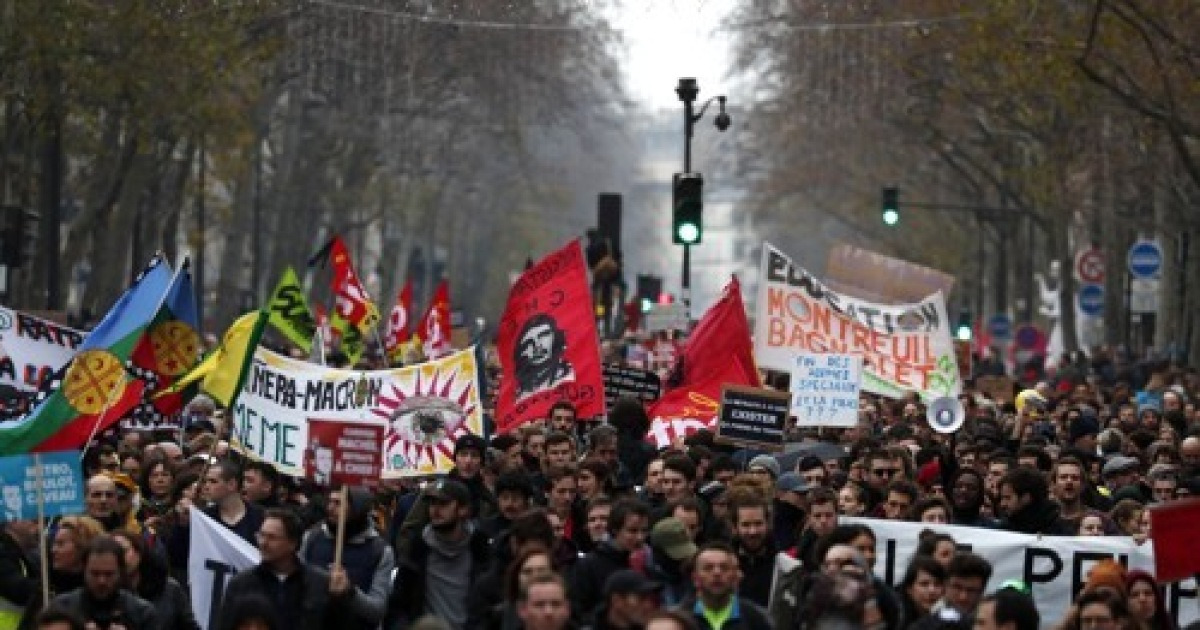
{"x":217,"y":554}
{"x":1055,"y":567}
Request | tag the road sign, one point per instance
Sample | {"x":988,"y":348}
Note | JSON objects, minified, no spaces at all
{"x":1091,"y":299}
{"x":1028,"y":337}
{"x":1089,"y":266}
{"x":1145,"y":259}
{"x":1000,"y":327}
{"x":1143,"y":295}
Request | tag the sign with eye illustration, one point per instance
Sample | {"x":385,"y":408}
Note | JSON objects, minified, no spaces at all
{"x":423,"y":409}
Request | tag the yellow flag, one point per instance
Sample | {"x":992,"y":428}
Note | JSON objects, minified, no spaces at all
{"x":289,"y":310}
{"x":224,"y":369}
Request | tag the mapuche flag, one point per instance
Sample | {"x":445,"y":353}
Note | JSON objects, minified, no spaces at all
{"x":170,"y":348}
{"x":718,"y":352}
{"x":350,"y":297}
{"x":398,"y":320}
{"x":95,"y":389}
{"x":548,"y":346}
{"x":289,"y":312}
{"x":434,"y":327}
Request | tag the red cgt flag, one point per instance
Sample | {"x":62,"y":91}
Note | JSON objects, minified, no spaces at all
{"x":350,"y":297}
{"x":398,"y":321}
{"x":547,"y":342}
{"x":718,"y":352}
{"x":434,"y":327}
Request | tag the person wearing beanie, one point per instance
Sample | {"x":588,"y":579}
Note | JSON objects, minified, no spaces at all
{"x":764,"y":463}
{"x":1083,"y":431}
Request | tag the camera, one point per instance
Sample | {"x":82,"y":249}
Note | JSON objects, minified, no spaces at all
{"x":723,"y":121}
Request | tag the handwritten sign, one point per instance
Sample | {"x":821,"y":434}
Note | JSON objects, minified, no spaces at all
{"x":752,"y":417}
{"x":825,"y":389}
{"x":671,"y":316}
{"x":61,"y":484}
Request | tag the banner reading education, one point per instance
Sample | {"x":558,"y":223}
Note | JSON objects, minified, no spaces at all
{"x":424,"y":409}
{"x":904,"y":348}
{"x":1055,"y":567}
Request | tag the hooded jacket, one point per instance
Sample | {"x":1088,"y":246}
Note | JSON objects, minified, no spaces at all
{"x":367,"y":557}
{"x":1043,"y":517}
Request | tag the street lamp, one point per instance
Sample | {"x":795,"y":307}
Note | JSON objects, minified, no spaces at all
{"x":689,"y":232}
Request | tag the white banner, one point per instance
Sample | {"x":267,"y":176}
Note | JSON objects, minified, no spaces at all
{"x":825,"y":388}
{"x":33,"y":348}
{"x":1055,"y":567}
{"x":424,"y":409}
{"x":216,"y":555}
{"x":904,"y":348}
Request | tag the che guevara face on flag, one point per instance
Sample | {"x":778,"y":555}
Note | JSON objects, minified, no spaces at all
{"x":540,"y":356}
{"x":547,"y":343}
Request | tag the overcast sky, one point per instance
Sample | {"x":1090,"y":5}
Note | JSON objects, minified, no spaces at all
{"x":669,"y":39}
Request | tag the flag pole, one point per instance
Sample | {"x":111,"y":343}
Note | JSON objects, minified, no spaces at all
{"x":340,"y":541}
{"x":41,"y":519}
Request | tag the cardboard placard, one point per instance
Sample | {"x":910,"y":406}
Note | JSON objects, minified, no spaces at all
{"x":627,"y":381}
{"x":344,"y":453}
{"x":755,"y":417}
{"x":998,"y":388}
{"x":825,"y":389}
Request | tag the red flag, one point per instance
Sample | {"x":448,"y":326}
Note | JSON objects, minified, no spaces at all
{"x":718,"y":352}
{"x":350,"y":297}
{"x":398,"y":321}
{"x":547,"y":342}
{"x":434,"y":327}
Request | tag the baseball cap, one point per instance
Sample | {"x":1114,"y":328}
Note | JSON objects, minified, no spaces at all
{"x":791,"y":482}
{"x":470,"y":440}
{"x":626,"y":581}
{"x":671,"y":536}
{"x":1119,"y":464}
{"x":449,"y":490}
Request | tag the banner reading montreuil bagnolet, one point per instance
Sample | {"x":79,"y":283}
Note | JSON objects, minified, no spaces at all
{"x":423,"y":408}
{"x":906,"y":347}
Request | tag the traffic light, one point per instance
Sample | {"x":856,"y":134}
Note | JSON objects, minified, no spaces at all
{"x":687,"y":217}
{"x":18,"y":232}
{"x":648,"y":289}
{"x":891,"y":205}
{"x":963,"y":332}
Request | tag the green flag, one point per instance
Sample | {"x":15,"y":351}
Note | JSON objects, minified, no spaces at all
{"x":289,"y":312}
{"x":351,"y":343}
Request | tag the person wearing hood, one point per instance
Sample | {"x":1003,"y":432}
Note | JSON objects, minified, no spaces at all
{"x":1026,"y":507}
{"x":367,"y":560}
{"x":444,"y":559}
{"x":469,"y":453}
{"x":628,"y":525}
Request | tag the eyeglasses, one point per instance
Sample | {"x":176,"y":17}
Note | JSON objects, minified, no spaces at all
{"x":884,"y":472}
{"x":102,"y":495}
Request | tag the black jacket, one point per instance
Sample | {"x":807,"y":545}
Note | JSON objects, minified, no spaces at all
{"x":407,"y":602}
{"x":591,"y":572}
{"x":301,"y":602}
{"x":748,"y":616}
{"x":1039,"y":518}
{"x":757,"y":571}
{"x":131,"y":610}
{"x":18,"y":576}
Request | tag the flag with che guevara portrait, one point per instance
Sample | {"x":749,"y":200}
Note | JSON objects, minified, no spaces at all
{"x":547,"y":342}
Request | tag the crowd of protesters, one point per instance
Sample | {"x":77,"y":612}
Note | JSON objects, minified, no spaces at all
{"x":569,"y":523}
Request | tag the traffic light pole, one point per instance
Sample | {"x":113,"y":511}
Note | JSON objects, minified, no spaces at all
{"x":687,"y":91}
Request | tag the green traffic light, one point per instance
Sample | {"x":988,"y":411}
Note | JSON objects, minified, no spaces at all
{"x":688,"y":233}
{"x":647,"y":305}
{"x":963,"y":333}
{"x":891,"y":216}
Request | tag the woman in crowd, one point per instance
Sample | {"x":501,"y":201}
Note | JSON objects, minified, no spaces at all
{"x":931,"y":509}
{"x":72,"y":537}
{"x":156,"y":481}
{"x":1092,"y":524}
{"x":146,"y":575}
{"x":940,"y":547}
{"x":1146,"y":601}
{"x":921,"y":588}
{"x":531,"y":563}
{"x":1127,"y":514}
{"x":1101,"y":608}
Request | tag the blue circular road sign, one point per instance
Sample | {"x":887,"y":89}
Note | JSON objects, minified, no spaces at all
{"x":1091,"y":299}
{"x":1145,"y":259}
{"x":1000,"y":326}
